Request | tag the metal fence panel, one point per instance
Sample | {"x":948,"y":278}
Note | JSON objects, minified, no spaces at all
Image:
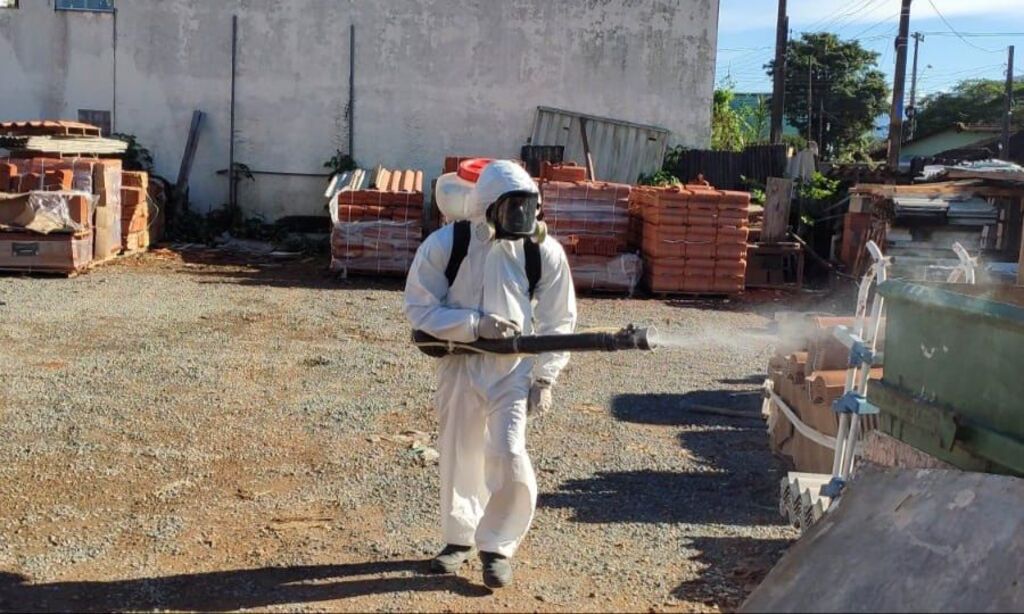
{"x":621,"y":150}
{"x":726,"y":169}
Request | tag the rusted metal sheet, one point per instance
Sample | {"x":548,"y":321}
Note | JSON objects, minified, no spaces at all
{"x":917,"y":540}
{"x":621,"y":150}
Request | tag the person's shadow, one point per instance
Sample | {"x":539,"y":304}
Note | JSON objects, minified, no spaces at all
{"x":230,"y":590}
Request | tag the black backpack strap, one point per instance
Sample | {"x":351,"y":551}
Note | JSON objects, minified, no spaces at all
{"x":532,"y":252}
{"x":460,"y":247}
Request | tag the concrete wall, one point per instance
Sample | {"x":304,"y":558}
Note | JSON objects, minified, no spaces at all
{"x":433,"y":77}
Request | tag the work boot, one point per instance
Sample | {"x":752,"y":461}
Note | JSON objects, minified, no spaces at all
{"x":497,"y":569}
{"x":450,"y":559}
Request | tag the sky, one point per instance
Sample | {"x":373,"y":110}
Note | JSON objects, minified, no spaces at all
{"x":746,"y":37}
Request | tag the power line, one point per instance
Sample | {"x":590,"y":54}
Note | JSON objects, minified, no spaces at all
{"x":870,"y":28}
{"x":975,"y":34}
{"x":829,"y":23}
{"x":958,"y":35}
{"x":850,"y":18}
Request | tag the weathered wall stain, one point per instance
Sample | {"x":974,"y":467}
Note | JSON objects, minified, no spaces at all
{"x":433,"y":77}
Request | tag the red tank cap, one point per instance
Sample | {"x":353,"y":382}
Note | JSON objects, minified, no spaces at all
{"x":470,"y":169}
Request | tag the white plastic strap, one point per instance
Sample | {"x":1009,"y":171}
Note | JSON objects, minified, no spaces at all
{"x":819,"y":438}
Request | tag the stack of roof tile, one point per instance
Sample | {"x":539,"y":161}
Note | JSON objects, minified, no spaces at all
{"x":562,"y":171}
{"x":694,"y":239}
{"x":592,"y":222}
{"x":808,"y":372}
{"x":377,"y":230}
{"x":57,"y":139}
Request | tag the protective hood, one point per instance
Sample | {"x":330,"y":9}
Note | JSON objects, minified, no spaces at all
{"x":497,"y":178}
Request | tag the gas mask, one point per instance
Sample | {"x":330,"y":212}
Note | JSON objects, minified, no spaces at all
{"x":514,"y":216}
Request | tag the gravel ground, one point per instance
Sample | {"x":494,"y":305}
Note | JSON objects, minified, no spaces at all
{"x":188,"y":434}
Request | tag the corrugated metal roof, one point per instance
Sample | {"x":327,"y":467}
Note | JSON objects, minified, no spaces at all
{"x":621,"y":150}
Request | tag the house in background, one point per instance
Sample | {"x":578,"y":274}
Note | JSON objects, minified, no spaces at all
{"x":429,"y":78}
{"x":961,"y":142}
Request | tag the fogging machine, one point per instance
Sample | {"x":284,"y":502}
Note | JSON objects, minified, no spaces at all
{"x":629,"y":338}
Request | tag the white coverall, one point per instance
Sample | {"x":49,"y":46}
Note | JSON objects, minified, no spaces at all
{"x":488,"y":487}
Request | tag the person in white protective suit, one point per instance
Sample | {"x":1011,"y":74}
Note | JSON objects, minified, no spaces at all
{"x":488,"y":487}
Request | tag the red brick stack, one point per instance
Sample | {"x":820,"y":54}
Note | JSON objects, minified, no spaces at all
{"x":99,"y":177}
{"x":694,"y":239}
{"x":134,"y":212}
{"x":14,"y":181}
{"x":377,"y":231}
{"x":591,"y":221}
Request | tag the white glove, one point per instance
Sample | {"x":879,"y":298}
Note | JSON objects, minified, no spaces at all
{"x":540,"y":401}
{"x":496,"y":327}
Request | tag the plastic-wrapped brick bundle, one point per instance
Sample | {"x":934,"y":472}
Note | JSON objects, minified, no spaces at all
{"x":384,"y":247}
{"x":592,"y":221}
{"x":61,"y":211}
{"x":595,"y":210}
{"x":620,"y":273}
{"x":45,"y":212}
{"x":377,"y":231}
{"x":49,"y":174}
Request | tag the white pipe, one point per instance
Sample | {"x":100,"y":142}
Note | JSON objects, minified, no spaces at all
{"x":849,"y":452}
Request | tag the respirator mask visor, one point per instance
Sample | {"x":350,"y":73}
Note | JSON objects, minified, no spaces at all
{"x":514,"y":215}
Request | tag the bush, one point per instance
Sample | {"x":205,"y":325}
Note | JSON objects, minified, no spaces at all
{"x":658,"y":178}
{"x":136,"y":157}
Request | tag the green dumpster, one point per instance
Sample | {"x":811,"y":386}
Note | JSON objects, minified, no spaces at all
{"x":954,"y":373}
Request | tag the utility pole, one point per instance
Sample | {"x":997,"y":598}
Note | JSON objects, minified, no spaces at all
{"x":810,"y":101}
{"x":821,"y":124}
{"x":896,"y":113}
{"x":1008,"y":115}
{"x":779,"y":85}
{"x":912,"y":109}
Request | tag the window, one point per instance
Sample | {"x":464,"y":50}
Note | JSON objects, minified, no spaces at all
{"x":96,"y":118}
{"x":83,"y":5}
{"x":8,"y":4}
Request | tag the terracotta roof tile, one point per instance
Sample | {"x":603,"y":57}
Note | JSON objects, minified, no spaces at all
{"x":49,"y":127}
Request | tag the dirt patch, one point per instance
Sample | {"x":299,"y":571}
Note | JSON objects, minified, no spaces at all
{"x":185,"y":433}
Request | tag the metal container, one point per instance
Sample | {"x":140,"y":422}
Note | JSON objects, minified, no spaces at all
{"x":952,"y":385}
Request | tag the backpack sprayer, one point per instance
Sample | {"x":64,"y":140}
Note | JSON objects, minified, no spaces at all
{"x":629,"y":338}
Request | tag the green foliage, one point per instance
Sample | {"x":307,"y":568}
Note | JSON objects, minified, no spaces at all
{"x":816,"y":195}
{"x":757,"y":120}
{"x":659,"y":178}
{"x":726,"y":124}
{"x":820,"y":188}
{"x":735,"y":126}
{"x":971,"y":101}
{"x":191,"y":227}
{"x":859,"y":150}
{"x":340,"y":162}
{"x":136,"y":157}
{"x":673,"y":157}
{"x":846,"y":89}
{"x":188,"y":226}
{"x":795,"y":141}
{"x":756,"y":189}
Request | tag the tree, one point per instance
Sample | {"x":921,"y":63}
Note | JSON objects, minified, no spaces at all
{"x":726,"y":124}
{"x":736,"y":124}
{"x":971,"y":101}
{"x":847,"y":91}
